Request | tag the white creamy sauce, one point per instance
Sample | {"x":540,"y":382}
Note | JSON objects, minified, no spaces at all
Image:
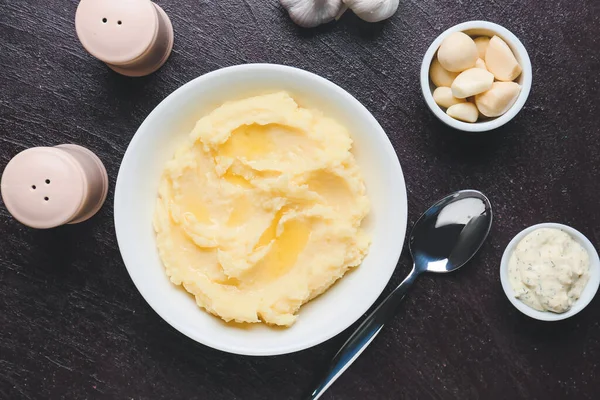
{"x":548,"y":270}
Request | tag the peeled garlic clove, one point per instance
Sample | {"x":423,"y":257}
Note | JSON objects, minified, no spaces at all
{"x":439,"y":76}
{"x":457,"y":52}
{"x":443,"y":97}
{"x":499,"y":99}
{"x":471,"y":82}
{"x":311,"y":13}
{"x":373,"y":10}
{"x":482,"y":43}
{"x":501,"y":61}
{"x":480,"y":64}
{"x":466,"y":112}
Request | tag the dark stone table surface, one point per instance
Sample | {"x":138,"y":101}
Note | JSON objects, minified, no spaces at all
{"x":72,"y":324}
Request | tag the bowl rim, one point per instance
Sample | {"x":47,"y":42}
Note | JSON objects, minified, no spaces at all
{"x":497,"y":122}
{"x":120,"y":219}
{"x":588,"y":293}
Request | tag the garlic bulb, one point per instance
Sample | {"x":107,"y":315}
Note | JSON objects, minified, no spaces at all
{"x":311,"y":13}
{"x":373,"y":10}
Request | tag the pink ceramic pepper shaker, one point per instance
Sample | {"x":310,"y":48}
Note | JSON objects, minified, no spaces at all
{"x":44,"y":187}
{"x":133,"y":37}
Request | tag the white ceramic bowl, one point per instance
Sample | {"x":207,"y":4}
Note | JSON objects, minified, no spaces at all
{"x":588,"y":292}
{"x":478,"y":28}
{"x":154,"y":144}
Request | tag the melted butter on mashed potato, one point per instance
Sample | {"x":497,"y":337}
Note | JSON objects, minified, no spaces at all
{"x":261,"y":210}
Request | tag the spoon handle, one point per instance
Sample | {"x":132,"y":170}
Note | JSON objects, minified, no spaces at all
{"x":364,"y":335}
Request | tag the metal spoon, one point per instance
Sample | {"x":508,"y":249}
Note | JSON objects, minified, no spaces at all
{"x":443,"y":239}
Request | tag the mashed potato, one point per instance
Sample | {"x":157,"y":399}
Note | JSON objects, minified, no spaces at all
{"x":261,"y":210}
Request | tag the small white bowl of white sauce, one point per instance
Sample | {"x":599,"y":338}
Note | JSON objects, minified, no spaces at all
{"x":550,"y":280}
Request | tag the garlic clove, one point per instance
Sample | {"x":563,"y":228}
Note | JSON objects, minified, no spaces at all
{"x":444,"y":98}
{"x":466,"y":112}
{"x":439,"y":76}
{"x":471,"y":82}
{"x":501,"y":61}
{"x":480,"y":64}
{"x":457,"y":52}
{"x":482,"y":43}
{"x":373,"y":10}
{"x":499,"y":99}
{"x":311,"y":13}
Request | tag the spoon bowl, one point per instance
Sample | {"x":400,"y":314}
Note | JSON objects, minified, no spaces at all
{"x":442,"y":240}
{"x":450,"y":232}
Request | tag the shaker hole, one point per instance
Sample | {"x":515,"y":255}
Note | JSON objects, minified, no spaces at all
{"x":104,"y":20}
{"x":119,"y":22}
{"x":47,"y":181}
{"x":46,"y":198}
{"x":33,"y":187}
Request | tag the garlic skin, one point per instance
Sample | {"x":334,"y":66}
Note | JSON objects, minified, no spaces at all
{"x":373,"y":10}
{"x":311,"y":13}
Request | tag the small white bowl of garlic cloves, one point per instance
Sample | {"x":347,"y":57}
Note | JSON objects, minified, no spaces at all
{"x":476,"y":76}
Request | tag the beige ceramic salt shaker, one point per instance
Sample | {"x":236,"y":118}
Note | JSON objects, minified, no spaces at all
{"x":44,"y":187}
{"x":133,"y":37}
